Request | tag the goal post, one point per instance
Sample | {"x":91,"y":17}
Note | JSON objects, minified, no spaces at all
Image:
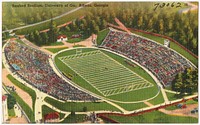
{"x":78,"y":51}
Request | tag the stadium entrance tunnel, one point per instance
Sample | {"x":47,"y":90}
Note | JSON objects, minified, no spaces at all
{"x":106,"y":75}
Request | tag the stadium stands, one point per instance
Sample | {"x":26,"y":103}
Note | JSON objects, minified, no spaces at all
{"x":34,"y":68}
{"x":161,"y":61}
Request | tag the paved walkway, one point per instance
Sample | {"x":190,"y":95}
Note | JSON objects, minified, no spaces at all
{"x":18,"y":120}
{"x":17,"y":110}
{"x":40,"y":96}
{"x":170,"y":91}
{"x":28,"y":43}
{"x":178,"y":112}
{"x":191,"y":7}
{"x":122,"y":26}
{"x":87,"y":42}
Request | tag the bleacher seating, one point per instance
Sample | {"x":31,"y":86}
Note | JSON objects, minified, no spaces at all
{"x":35,"y":69}
{"x":164,"y":63}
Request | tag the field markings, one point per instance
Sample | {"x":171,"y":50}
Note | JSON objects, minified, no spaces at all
{"x":105,"y":74}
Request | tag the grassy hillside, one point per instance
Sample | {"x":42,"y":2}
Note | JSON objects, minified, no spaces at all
{"x":154,"y":117}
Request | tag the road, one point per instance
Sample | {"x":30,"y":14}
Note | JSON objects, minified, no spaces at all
{"x":191,"y":7}
{"x":71,"y":11}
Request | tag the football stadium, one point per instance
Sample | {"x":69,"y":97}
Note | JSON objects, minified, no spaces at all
{"x":66,"y":74}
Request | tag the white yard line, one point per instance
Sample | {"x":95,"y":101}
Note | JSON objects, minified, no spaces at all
{"x":59,"y":73}
{"x":69,"y":61}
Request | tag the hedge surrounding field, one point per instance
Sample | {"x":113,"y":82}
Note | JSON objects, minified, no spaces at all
{"x":25,"y":88}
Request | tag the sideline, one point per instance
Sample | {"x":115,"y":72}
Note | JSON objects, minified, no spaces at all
{"x":58,"y":72}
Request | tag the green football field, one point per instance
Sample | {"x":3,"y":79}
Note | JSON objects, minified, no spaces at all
{"x":105,"y":74}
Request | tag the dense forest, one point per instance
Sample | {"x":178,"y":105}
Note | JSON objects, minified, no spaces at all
{"x":15,"y":16}
{"x":168,"y":20}
{"x":186,"y":82}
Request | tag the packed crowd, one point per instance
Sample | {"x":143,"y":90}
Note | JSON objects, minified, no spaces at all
{"x":161,"y":61}
{"x":35,"y":69}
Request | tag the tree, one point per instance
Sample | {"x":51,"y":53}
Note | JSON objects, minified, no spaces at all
{"x":140,"y":22}
{"x":103,"y":24}
{"x":11,"y":101}
{"x":177,"y":82}
{"x":84,"y":109}
{"x":98,"y":21}
{"x":161,"y":27}
{"x":31,"y":36}
{"x":13,"y":14}
{"x":44,"y":37}
{"x":189,"y":36}
{"x":145,"y":22}
{"x":38,"y":17}
{"x":73,"y":113}
{"x":169,"y":26}
{"x":106,"y":15}
{"x":93,"y":25}
{"x":186,"y":82}
{"x":96,"y":29}
{"x":73,"y":26}
{"x":82,"y":27}
{"x":67,"y":28}
{"x":84,"y":22}
{"x":195,"y":80}
{"x":37,"y":38}
{"x":150,"y":24}
{"x":53,"y":32}
{"x":5,"y":34}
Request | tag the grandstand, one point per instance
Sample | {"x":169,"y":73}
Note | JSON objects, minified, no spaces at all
{"x":164,"y":63}
{"x":105,"y":74}
{"x":33,"y":66}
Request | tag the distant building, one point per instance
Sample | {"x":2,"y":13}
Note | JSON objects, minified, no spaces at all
{"x":61,"y":38}
{"x":53,"y":117}
{"x":4,"y":108}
